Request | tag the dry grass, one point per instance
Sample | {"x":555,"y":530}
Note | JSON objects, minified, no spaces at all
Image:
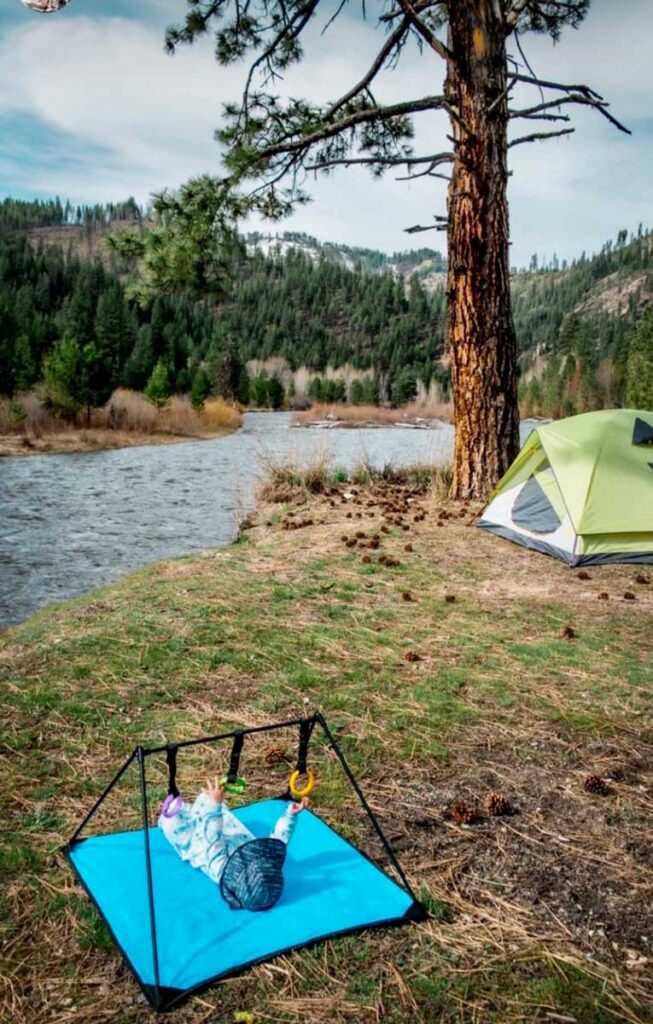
{"x":372,"y":415}
{"x":128,"y":418}
{"x":542,"y":916}
{"x":286,"y":480}
{"x":289,"y":480}
{"x":216,"y":414}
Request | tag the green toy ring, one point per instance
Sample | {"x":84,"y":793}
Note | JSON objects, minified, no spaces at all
{"x":237,"y":786}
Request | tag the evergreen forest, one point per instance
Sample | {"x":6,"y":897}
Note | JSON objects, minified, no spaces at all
{"x":71,"y":325}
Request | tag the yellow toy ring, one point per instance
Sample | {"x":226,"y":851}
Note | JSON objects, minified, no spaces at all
{"x":307,"y":789}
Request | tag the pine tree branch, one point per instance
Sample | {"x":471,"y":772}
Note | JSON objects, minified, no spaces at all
{"x":353,"y":121}
{"x":291,"y":30}
{"x":408,"y":161}
{"x":551,"y":9}
{"x":537,"y":136}
{"x":420,"y":6}
{"x":513,"y":15}
{"x":391,"y":42}
{"x":423,"y":30}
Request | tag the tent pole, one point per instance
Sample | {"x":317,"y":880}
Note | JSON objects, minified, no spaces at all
{"x":117,"y":777}
{"x":366,"y":807}
{"x":148,"y":864}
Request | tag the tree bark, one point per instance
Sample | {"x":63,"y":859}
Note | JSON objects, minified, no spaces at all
{"x":480,"y":334}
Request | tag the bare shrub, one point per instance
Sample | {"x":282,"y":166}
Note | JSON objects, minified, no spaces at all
{"x":129,"y":410}
{"x":177,"y":416}
{"x":37,"y":419}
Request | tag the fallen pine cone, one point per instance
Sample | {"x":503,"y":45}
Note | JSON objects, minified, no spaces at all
{"x":603,"y":596}
{"x":406,"y":596}
{"x":276,"y":755}
{"x":595,"y":784}
{"x":408,"y":547}
{"x":583,"y":575}
{"x":629,"y":596}
{"x":412,"y":656}
{"x":463,"y":813}
{"x":366,"y":559}
{"x":569,"y":632}
{"x":497,"y":805}
{"x":450,"y":598}
{"x":642,"y":579}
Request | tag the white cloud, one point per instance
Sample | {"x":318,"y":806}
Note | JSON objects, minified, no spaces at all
{"x":104,"y":83}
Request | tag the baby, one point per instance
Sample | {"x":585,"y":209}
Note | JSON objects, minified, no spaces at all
{"x":207,"y":834}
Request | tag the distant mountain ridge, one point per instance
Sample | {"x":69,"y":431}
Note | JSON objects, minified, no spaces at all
{"x":429,"y":265}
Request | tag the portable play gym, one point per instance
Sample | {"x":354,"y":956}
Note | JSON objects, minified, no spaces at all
{"x":581,"y":489}
{"x":169,"y":920}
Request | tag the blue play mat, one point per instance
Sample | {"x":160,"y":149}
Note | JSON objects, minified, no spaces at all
{"x":330,"y":888}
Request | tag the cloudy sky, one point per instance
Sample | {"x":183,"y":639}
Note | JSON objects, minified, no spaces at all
{"x":91,"y":109}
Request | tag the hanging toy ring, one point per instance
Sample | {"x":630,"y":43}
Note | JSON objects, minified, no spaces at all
{"x":172,"y":805}
{"x":237,"y":787}
{"x":305,"y":790}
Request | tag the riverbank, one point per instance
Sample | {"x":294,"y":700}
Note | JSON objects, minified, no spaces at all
{"x":452,"y":665}
{"x":129,"y":419}
{"x":332,"y":415}
{"x":95,"y":439}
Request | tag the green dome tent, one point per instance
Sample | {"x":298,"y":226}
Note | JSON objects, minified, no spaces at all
{"x":581,"y":489}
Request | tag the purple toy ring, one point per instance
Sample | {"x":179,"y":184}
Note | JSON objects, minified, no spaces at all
{"x":172,"y":805}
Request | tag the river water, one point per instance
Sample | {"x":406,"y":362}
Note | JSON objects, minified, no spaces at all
{"x":70,"y":523}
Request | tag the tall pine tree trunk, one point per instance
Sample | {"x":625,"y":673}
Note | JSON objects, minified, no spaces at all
{"x":480,"y":334}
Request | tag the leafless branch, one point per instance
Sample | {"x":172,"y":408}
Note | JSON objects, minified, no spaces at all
{"x":537,"y":136}
{"x":576,"y":94}
{"x":425,"y":227}
{"x":533,"y":80}
{"x":428,"y":173}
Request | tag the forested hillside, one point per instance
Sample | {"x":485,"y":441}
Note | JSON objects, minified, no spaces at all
{"x":57,"y":307}
{"x":308,"y":318}
{"x":575,"y":325}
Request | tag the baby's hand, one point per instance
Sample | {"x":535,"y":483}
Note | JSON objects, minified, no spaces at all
{"x":301,"y":806}
{"x":215,"y":790}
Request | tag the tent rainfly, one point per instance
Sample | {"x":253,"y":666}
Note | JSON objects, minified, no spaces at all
{"x":581,"y":489}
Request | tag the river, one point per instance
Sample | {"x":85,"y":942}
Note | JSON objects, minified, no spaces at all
{"x":70,"y":523}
